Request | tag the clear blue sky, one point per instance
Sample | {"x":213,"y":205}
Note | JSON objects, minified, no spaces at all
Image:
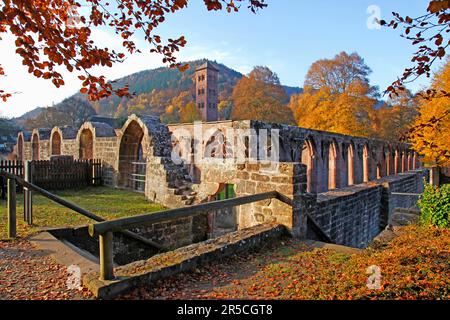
{"x":287,"y":36}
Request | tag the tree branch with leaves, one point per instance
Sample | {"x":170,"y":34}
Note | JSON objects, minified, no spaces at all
{"x":49,"y":40}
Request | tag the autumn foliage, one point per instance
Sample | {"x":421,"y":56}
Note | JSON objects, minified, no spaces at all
{"x":259,"y":96}
{"x":429,"y":33}
{"x":339,"y":98}
{"x":413,"y":266}
{"x":430,"y":135}
{"x":55,"y":35}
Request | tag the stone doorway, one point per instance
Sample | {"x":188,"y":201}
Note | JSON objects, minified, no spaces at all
{"x":224,"y":220}
{"x":132,"y":160}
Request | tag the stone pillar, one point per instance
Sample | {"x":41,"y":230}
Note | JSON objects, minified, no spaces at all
{"x":434,"y":176}
{"x":289,"y":179}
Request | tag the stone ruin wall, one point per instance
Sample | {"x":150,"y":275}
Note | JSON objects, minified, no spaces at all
{"x":344,"y":182}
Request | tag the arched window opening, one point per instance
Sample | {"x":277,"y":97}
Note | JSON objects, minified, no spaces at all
{"x":307,"y":158}
{"x":132,"y":160}
{"x":332,"y":166}
{"x":56,"y":144}
{"x":35,"y":147}
{"x":86,"y":144}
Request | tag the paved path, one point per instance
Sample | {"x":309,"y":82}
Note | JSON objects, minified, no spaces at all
{"x":30,"y":273}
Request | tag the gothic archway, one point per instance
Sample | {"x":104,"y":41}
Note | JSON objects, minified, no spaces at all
{"x":132,"y":161}
{"x":86,"y":144}
{"x":56,"y":144}
{"x":20,"y":148}
{"x":332,"y":166}
{"x":307,"y":158}
{"x":35,"y":147}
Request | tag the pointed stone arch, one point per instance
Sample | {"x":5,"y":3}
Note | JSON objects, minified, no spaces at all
{"x":56,"y":143}
{"x":333,"y":166}
{"x":132,"y":152}
{"x":20,"y":147}
{"x":410,"y":161}
{"x":86,"y":144}
{"x":379,"y":172}
{"x":308,"y":155}
{"x":35,"y":146}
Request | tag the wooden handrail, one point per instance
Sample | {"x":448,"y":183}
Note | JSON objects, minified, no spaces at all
{"x":76,"y":208}
{"x":104,"y":229}
{"x":135,"y":221}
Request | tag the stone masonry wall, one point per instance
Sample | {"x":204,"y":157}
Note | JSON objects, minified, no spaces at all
{"x":70,"y":147}
{"x":44,"y":149}
{"x":411,"y":182}
{"x":27,"y":150}
{"x":106,"y":149}
{"x":288,"y":179}
{"x":350,"y":216}
{"x":353,"y":216}
{"x":175,"y":233}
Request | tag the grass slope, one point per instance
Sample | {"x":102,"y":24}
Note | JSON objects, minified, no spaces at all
{"x":105,"y":202}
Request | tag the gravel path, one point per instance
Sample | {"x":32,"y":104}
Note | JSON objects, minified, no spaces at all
{"x":29,"y":273}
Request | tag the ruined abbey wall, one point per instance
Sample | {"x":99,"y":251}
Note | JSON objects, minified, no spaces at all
{"x":345,"y":183}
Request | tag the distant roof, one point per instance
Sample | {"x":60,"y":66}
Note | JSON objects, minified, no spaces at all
{"x":44,"y":133}
{"x":68,"y":132}
{"x":207,"y":65}
{"x":103,"y":130}
{"x":116,"y":123}
{"x":26,"y":135}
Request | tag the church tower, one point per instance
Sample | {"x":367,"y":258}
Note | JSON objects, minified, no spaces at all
{"x":206,"y":79}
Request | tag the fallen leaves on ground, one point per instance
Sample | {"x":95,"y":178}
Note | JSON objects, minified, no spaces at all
{"x":27,"y":273}
{"x":413,"y":266}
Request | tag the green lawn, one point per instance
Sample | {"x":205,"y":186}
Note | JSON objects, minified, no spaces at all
{"x":105,"y":202}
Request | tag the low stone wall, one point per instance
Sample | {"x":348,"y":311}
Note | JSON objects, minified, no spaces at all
{"x":353,"y":216}
{"x":350,"y":216}
{"x":176,"y":233}
{"x":126,"y":249}
{"x":181,"y":260}
{"x":172,"y":234}
{"x":410,"y":182}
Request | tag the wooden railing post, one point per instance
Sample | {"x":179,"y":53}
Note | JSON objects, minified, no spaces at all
{"x":106,"y":256}
{"x":27,"y":194}
{"x":11,"y":208}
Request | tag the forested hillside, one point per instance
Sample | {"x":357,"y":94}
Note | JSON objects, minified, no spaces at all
{"x":155,"y":90}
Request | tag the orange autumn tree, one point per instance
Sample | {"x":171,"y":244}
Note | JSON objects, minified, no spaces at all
{"x":260,"y":96}
{"x":56,"y":35}
{"x":189,"y":113}
{"x":337,"y":97}
{"x":431,"y":133}
{"x":392,"y":120}
{"x":429,"y":32}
